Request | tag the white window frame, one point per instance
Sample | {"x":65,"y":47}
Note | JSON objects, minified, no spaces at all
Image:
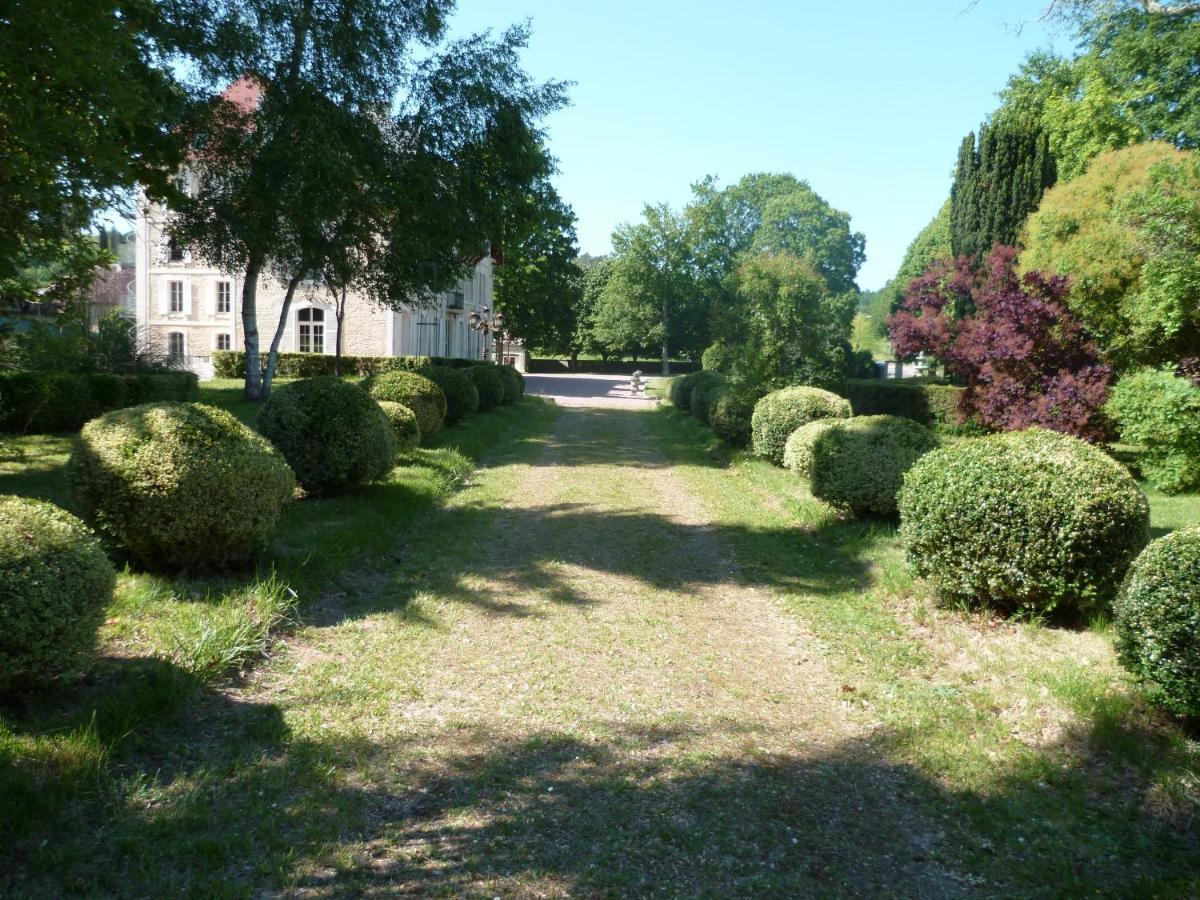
{"x":224,"y":293}
{"x":227,"y":338}
{"x":175,"y":294}
{"x":171,"y":336}
{"x":310,"y":330}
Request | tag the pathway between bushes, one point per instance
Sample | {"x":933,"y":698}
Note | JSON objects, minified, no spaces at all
{"x":567,"y":690}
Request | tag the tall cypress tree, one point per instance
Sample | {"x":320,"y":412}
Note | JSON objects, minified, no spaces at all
{"x":999,"y":181}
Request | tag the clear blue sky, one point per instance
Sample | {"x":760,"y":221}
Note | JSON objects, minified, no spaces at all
{"x":868,"y":106}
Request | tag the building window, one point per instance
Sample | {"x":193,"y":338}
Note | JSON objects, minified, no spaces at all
{"x":312,"y":330}
{"x":176,"y":297}
{"x":174,"y":251}
{"x":224,"y":290}
{"x":175,"y":345}
{"x":223,"y":342}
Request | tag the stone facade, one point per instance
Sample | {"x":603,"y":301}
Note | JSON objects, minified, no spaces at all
{"x":187,"y":308}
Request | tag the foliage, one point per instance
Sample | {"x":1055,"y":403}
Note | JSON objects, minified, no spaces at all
{"x":930,"y":245}
{"x":704,"y":395}
{"x":999,"y":180}
{"x":1157,"y":618}
{"x":798,"y":450}
{"x":717,"y":358}
{"x":404,"y":424}
{"x":180,"y":485}
{"x":462,"y":397}
{"x":1127,"y":233}
{"x":781,"y":412}
{"x":1160,"y":411}
{"x":936,"y":406}
{"x":731,"y":414}
{"x":418,"y":393}
{"x":490,"y":384}
{"x":56,"y":401}
{"x":781,"y":325}
{"x":55,"y":586}
{"x":1030,"y":521}
{"x":514,"y":384}
{"x":859,"y":464}
{"x":1024,"y":358}
{"x":679,"y":392}
{"x":331,"y":433}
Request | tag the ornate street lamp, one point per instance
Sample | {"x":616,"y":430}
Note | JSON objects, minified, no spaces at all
{"x":488,"y":324}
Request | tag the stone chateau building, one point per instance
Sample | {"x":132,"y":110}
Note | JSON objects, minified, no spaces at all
{"x":188,"y":308}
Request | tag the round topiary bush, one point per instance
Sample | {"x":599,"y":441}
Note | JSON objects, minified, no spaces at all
{"x":180,"y":485}
{"x":404,"y":424}
{"x":781,"y":412}
{"x":332,"y":434}
{"x":705,"y":394}
{"x":1029,"y":520}
{"x":416,"y":392}
{"x":490,"y":384}
{"x":55,"y":586}
{"x":679,"y":392}
{"x":859,"y":464}
{"x":514,"y":383}
{"x":462,"y":399}
{"x":1157,"y":618}
{"x":730,"y":417}
{"x":798,"y":451}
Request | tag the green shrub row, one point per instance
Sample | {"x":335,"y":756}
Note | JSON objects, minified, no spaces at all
{"x":232,"y":364}
{"x":57,"y":401}
{"x":933,"y":405}
{"x":781,"y":412}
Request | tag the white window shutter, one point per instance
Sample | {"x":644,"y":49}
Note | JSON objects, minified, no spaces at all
{"x":330,"y":332}
{"x":287,"y":344}
{"x":187,"y":297}
{"x":164,"y":297}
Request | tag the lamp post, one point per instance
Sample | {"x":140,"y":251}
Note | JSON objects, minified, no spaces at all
{"x":488,"y":323}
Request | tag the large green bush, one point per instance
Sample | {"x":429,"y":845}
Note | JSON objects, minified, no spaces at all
{"x":933,"y":405}
{"x":781,"y":412}
{"x":462,"y":399}
{"x":404,"y":424}
{"x":1157,"y":617}
{"x":705,"y":394}
{"x":180,"y":485}
{"x":679,"y":391}
{"x":1028,"y":520}
{"x":859,"y":464}
{"x":798,"y":451}
{"x":59,"y":401}
{"x":232,"y":364}
{"x":490,"y":384}
{"x":514,"y":383}
{"x":1161,"y":412}
{"x":332,"y":434}
{"x":416,"y":392}
{"x":730,"y":416}
{"x":55,"y":585}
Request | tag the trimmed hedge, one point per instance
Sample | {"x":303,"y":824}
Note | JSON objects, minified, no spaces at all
{"x":704,"y":395}
{"x":798,"y":451}
{"x":1157,"y":618}
{"x":416,"y":392}
{"x":1028,"y":520}
{"x":462,"y":398}
{"x":404,"y":424}
{"x":61,"y":401}
{"x":180,"y":485}
{"x":332,"y":434}
{"x":933,"y":405}
{"x":730,"y":416}
{"x":781,"y":412}
{"x":232,"y":364}
{"x":514,"y":383}
{"x":490,"y":384}
{"x":55,"y":587}
{"x":859,"y":464}
{"x":679,"y":391}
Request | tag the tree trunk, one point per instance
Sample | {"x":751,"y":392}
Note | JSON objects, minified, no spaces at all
{"x":273,"y":354}
{"x":666,"y":353}
{"x":253,"y":387}
{"x":339,"y":313}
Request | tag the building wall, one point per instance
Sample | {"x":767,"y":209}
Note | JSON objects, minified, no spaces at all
{"x":433,"y":328}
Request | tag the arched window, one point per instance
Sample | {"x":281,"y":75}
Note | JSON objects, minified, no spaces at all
{"x":175,"y":347}
{"x":311,"y":328}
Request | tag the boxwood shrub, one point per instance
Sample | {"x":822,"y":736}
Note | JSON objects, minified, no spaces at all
{"x":462,"y":398}
{"x":1157,"y":618}
{"x":730,"y":416}
{"x":416,"y":392}
{"x":679,"y":391}
{"x":332,"y":434}
{"x":1031,"y":520}
{"x":781,"y":412}
{"x":55,"y":586}
{"x":58,"y":401}
{"x":859,"y":464}
{"x":798,"y":451}
{"x":490,"y":384}
{"x":933,"y":405}
{"x":404,"y":424}
{"x":179,"y":485}
{"x":705,"y":394}
{"x":514,"y":383}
